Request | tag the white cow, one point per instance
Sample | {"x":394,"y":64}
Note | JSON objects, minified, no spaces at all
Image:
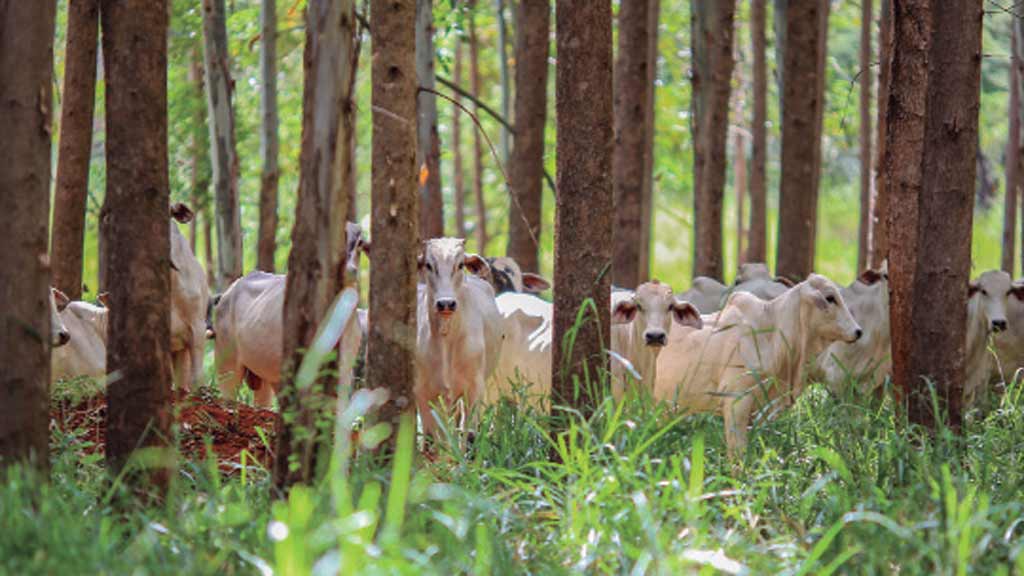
{"x":190,"y":297}
{"x":1010,"y":343}
{"x":527,"y":324}
{"x":755,"y":353}
{"x":708,"y":294}
{"x":59,"y":334}
{"x":868,"y":360}
{"x":505,"y":275}
{"x":641,"y":321}
{"x":986,"y":314}
{"x":86,"y":352}
{"x":459,"y":338}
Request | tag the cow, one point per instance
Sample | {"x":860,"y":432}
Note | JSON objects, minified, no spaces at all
{"x":527,"y":324}
{"x":247,"y":326}
{"x":1010,"y":342}
{"x":755,"y":353}
{"x":190,"y":296}
{"x":986,"y":315}
{"x":867,"y":361}
{"x":641,"y":321}
{"x":458,"y":339}
{"x":708,"y":295}
{"x":59,"y":335}
{"x":85,"y":354}
{"x":505,"y":275}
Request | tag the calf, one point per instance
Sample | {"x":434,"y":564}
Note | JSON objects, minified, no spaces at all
{"x":754,"y":353}
{"x":190,"y":297}
{"x":641,"y":321}
{"x":526,"y":323}
{"x":459,"y":338}
{"x":86,"y":352}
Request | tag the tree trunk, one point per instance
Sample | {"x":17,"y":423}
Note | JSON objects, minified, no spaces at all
{"x":630,"y":101}
{"x":757,"y":234}
{"x":527,"y":169}
{"x":316,"y":263}
{"x":647,"y":198}
{"x":391,"y":342}
{"x":223,"y":155}
{"x":880,"y":207}
{"x":801,"y":145}
{"x":478,"y":153}
{"x":584,"y":207}
{"x":138,"y":195}
{"x":428,"y":155}
{"x":26,"y":67}
{"x":932,"y":144}
{"x":75,"y":147}
{"x":711,"y":78}
{"x":1018,"y":31}
{"x":1012,"y":162}
{"x":267,"y":243}
{"x":200,"y":161}
{"x":864,"y":232}
{"x":458,"y":178}
{"x":739,"y":159}
{"x":506,"y":86}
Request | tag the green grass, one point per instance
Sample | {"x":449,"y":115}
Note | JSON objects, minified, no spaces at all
{"x":833,"y":485}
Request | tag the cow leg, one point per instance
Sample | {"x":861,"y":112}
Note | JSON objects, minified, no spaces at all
{"x":182,"y":368}
{"x":736,"y":414}
{"x":263,"y":395}
{"x":227,"y":368}
{"x":198,"y":351}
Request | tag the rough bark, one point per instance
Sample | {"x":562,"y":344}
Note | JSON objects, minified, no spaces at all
{"x":930,"y":161}
{"x":478,"y":151}
{"x":1009,"y":259}
{"x":223,"y":155}
{"x":801,"y":147}
{"x":864,"y":231}
{"x":740,"y":181}
{"x":26,"y":65}
{"x":316,"y":263}
{"x":267,"y":242}
{"x":459,"y":180}
{"x":395,"y":205}
{"x":531,"y":103}
{"x":757,"y":234}
{"x":75,"y":148}
{"x":584,"y":206}
{"x":138,"y":269}
{"x":630,"y":102}
{"x":880,"y":207}
{"x":647,"y":198}
{"x":1018,"y":31}
{"x":505,"y":142}
{"x":201,"y":168}
{"x":711,"y":78}
{"x":428,"y":150}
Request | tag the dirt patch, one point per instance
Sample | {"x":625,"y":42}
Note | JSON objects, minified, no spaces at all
{"x":229,"y":429}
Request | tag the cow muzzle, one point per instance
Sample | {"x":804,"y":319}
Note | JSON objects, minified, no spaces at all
{"x":998,"y":325}
{"x":63,"y":337}
{"x":656,"y":339}
{"x":446,"y":306}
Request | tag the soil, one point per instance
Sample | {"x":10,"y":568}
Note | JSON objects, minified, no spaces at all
{"x":230,"y":429}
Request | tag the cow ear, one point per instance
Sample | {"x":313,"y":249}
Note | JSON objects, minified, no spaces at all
{"x":1017,"y":290}
{"x":104,"y":299}
{"x":624,"y":311}
{"x":870,"y":276}
{"x":972,"y":289}
{"x":61,"y":299}
{"x":476,"y":265}
{"x":686,"y":314}
{"x":784,"y":281}
{"x":181,"y":213}
{"x":535,"y":283}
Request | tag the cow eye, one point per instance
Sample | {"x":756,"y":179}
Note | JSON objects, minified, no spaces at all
{"x":984,"y":292}
{"x":830,"y":299}
{"x":462,"y":265}
{"x":430,"y":267}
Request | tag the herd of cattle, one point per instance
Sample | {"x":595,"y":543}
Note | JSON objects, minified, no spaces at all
{"x":483,"y":333}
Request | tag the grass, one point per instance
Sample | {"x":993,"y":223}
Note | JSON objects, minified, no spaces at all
{"x":833,"y":485}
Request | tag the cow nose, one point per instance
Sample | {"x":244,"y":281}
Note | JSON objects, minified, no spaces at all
{"x":63,"y":338}
{"x":446,"y":305}
{"x":655,"y":338}
{"x":998,"y":325}
{"x":857,"y":334}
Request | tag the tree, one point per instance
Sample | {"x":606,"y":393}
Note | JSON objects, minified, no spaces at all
{"x":757,"y":234}
{"x":803,"y":59}
{"x":75,"y":147}
{"x":459,"y":178}
{"x":200,"y":165}
{"x":864,"y":232}
{"x":531,"y":103}
{"x":740,"y":182}
{"x":647,"y":199}
{"x":930,"y":159}
{"x":428,"y":155}
{"x":391,"y":342}
{"x":316,"y":264}
{"x":478,"y":152}
{"x":584,"y":210}
{"x":711,"y":77}
{"x":223,"y":155}
{"x":267,"y":243}
{"x":26,"y":58}
{"x":630,"y":101}
{"x":504,"y":78}
{"x":137,"y":263}
{"x":1012,"y":159}
{"x":880,"y":207}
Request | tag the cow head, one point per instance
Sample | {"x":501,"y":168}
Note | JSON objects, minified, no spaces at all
{"x":752,"y":271}
{"x":987,"y":295}
{"x":825,"y":311}
{"x":509,"y":277}
{"x":355,"y":243}
{"x":652,"y":308}
{"x":59,"y":334}
{"x":442,"y":265}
